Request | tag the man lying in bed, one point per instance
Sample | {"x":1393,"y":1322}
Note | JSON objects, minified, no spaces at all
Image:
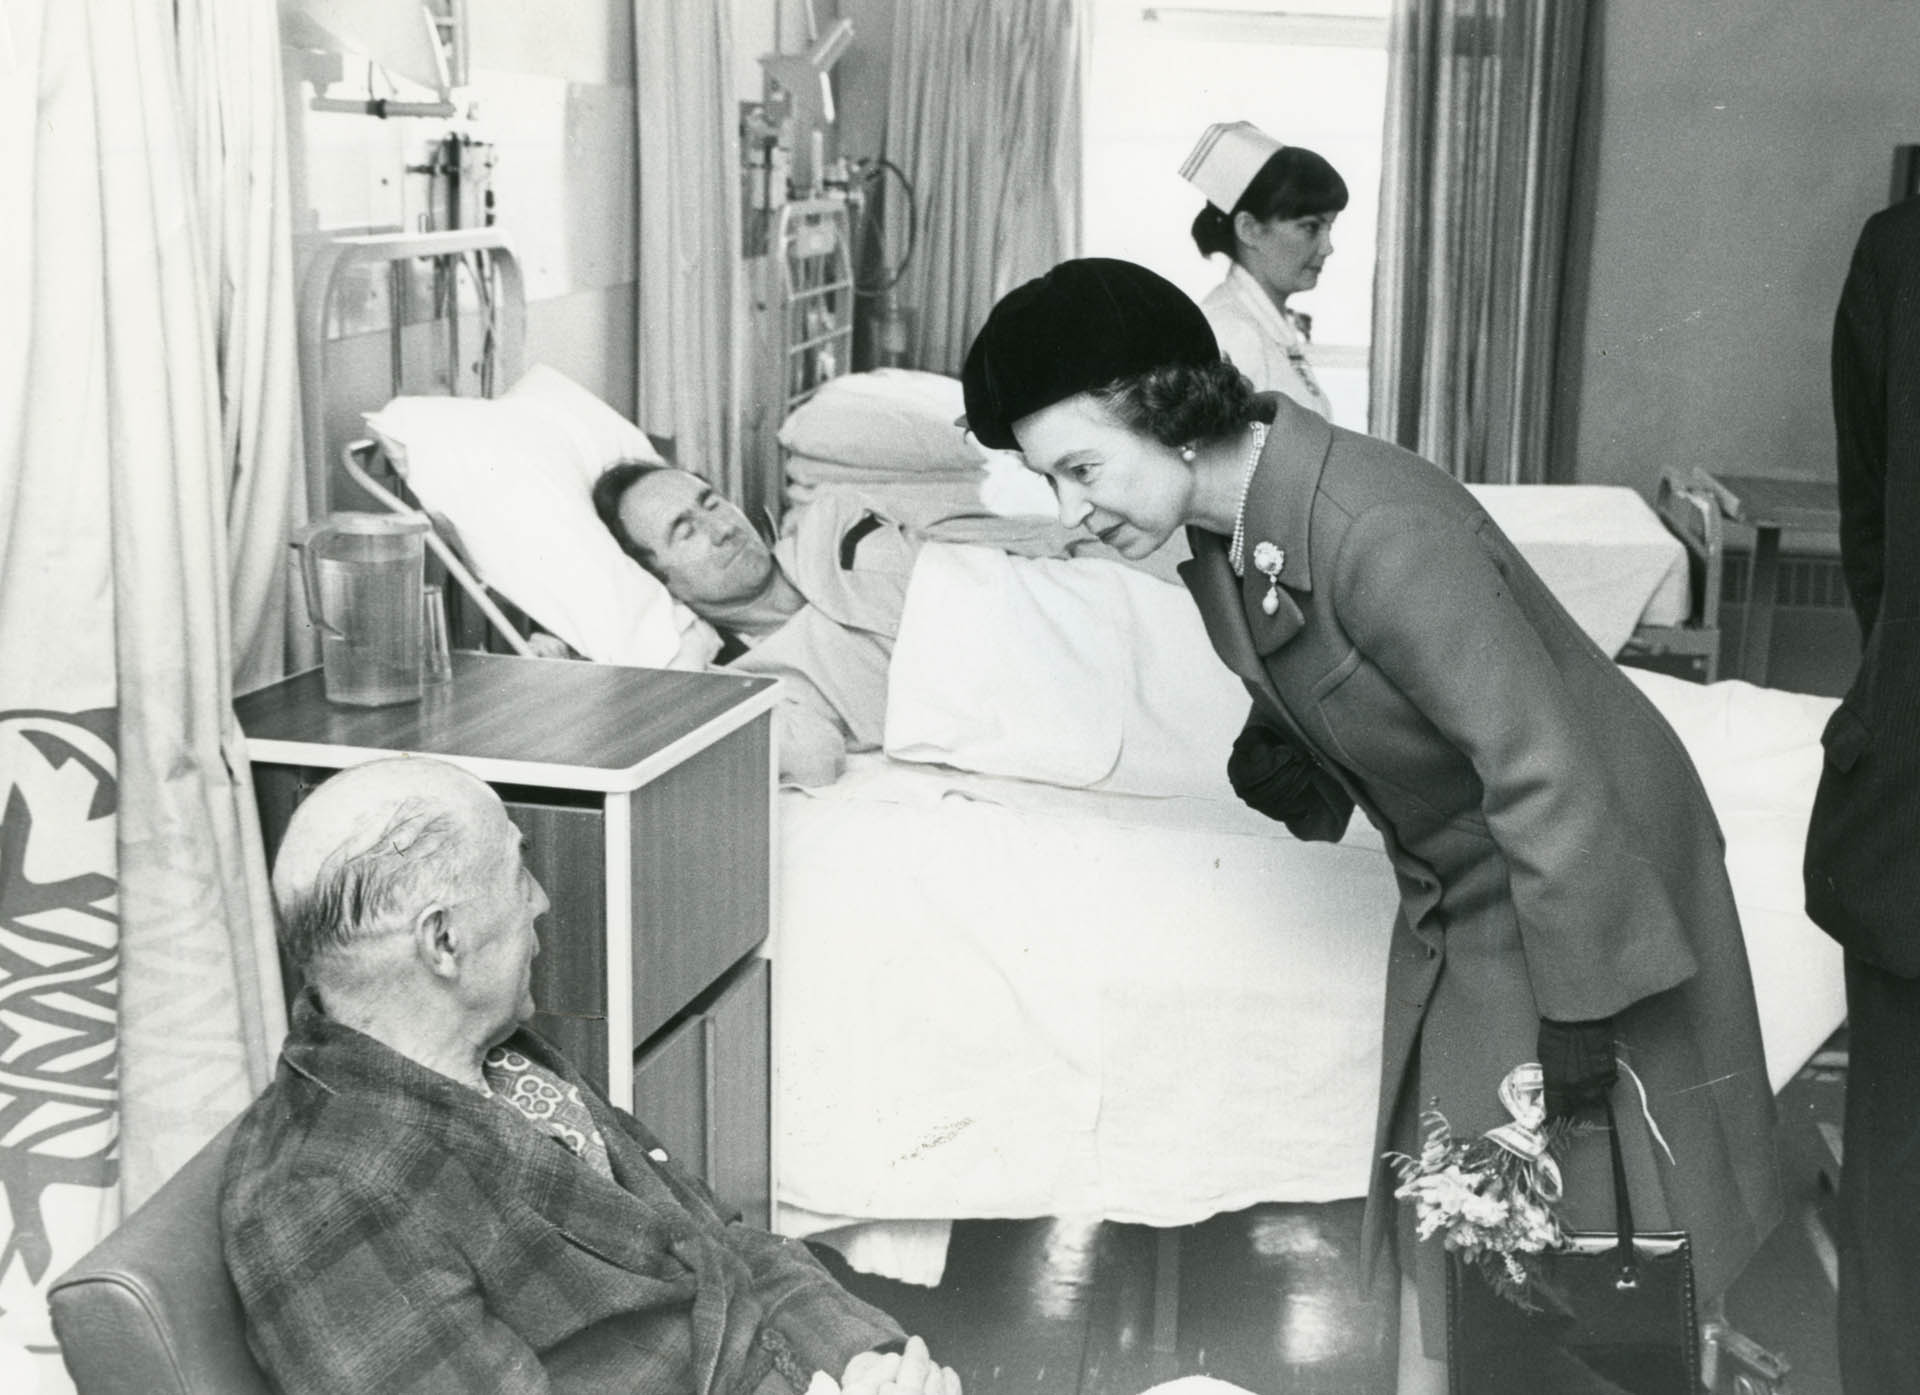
{"x":820,"y":608}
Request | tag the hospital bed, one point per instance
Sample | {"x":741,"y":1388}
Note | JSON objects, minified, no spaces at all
{"x":997,"y":996}
{"x":1644,"y":580}
{"x":1156,"y":1009}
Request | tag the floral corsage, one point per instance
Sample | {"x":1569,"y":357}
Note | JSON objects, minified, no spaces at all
{"x":1490,"y":1199}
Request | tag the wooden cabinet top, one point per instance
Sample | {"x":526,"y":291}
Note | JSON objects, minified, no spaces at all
{"x":1797,"y":506}
{"x":509,"y":720}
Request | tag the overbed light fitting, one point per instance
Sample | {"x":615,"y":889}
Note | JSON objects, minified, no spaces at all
{"x":804,"y":78}
{"x":423,"y":45}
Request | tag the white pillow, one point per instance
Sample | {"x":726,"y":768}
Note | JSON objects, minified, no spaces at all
{"x":595,"y":435}
{"x":898,"y":420}
{"x":1013,"y":491}
{"x":514,"y":476}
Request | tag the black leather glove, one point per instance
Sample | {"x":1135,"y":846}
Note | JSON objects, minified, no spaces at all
{"x":1576,"y":1065}
{"x":1270,"y":772}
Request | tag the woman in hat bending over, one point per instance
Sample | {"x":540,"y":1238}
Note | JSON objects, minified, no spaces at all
{"x":1270,"y":211}
{"x":1564,"y":896}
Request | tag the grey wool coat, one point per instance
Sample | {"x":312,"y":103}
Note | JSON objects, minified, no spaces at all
{"x":1554,"y":848}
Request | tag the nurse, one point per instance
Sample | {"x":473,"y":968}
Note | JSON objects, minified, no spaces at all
{"x":1270,"y":210}
{"x":1563,"y":888}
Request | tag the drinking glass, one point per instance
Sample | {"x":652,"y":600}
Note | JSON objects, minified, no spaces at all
{"x":436,"y":658}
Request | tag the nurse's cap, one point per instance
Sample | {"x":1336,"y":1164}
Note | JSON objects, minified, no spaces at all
{"x":1226,"y":160}
{"x":1083,"y":325}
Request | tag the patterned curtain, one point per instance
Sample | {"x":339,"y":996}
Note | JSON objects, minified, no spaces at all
{"x":139,"y":993}
{"x":1484,"y":110}
{"x":983,"y":116}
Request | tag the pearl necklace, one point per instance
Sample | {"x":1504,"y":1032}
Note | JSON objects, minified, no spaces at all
{"x":1236,"y":554}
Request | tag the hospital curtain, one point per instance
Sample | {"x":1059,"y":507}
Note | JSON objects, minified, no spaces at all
{"x":983,"y":115}
{"x":1483,"y":113}
{"x":235,"y":110}
{"x":139,"y":992}
{"x":689,"y":234}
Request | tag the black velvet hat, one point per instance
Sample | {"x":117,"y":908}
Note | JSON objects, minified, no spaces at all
{"x":1081,"y":326}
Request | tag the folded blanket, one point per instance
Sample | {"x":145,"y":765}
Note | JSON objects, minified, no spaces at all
{"x":1097,"y":675}
{"x":1084,"y":672}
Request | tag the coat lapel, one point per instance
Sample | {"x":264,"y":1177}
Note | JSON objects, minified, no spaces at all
{"x":1279,"y":510}
{"x":637,"y":1220}
{"x":644,"y":1223}
{"x":1216,"y":590}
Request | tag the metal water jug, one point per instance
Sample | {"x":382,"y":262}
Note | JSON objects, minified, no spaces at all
{"x":363,"y":574}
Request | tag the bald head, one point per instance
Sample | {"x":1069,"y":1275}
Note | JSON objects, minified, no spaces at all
{"x":373,"y":845}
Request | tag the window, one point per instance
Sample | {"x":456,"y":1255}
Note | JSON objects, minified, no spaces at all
{"x":1158,"y":75}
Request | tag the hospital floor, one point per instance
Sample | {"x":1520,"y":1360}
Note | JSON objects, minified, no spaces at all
{"x":1268,"y":1297}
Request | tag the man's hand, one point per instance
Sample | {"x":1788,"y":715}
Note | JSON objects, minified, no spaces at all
{"x":912,"y":1373}
{"x":812,"y":750}
{"x":546,"y":646}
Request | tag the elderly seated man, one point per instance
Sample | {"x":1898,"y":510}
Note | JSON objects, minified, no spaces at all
{"x":430,"y":1198}
{"x":820,"y":608}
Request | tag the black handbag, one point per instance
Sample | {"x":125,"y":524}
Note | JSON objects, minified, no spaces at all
{"x":1613,"y":1315}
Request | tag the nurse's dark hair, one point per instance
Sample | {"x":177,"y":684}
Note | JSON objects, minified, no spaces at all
{"x":1294,"y":183}
{"x":1182,"y":403}
{"x":610,"y":489}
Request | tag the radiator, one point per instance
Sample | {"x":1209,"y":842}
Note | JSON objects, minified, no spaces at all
{"x":1816,"y":640}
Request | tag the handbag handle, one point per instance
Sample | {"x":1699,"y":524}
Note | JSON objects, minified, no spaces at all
{"x":1629,"y":1273}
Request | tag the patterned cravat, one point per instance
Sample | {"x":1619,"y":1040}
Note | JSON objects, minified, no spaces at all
{"x":548,"y":1102}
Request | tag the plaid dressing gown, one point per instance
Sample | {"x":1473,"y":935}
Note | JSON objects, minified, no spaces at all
{"x":391,"y":1230}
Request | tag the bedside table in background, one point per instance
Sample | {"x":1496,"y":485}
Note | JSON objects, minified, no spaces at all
{"x":647,"y":798}
{"x":1769,"y":507}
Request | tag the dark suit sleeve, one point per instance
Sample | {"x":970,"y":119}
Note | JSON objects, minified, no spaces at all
{"x":1860,"y":429}
{"x":1427,"y":604}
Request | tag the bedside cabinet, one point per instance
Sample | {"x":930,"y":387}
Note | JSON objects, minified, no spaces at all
{"x":647,"y":798}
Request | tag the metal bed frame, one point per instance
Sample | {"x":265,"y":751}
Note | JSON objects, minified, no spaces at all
{"x":325,"y":275}
{"x":1692,"y":515}
{"x":505,"y":309}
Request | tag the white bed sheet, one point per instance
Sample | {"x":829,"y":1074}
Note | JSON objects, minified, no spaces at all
{"x":998,"y":998}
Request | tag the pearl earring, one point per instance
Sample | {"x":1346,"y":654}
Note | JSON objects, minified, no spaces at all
{"x":1186,"y":454}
